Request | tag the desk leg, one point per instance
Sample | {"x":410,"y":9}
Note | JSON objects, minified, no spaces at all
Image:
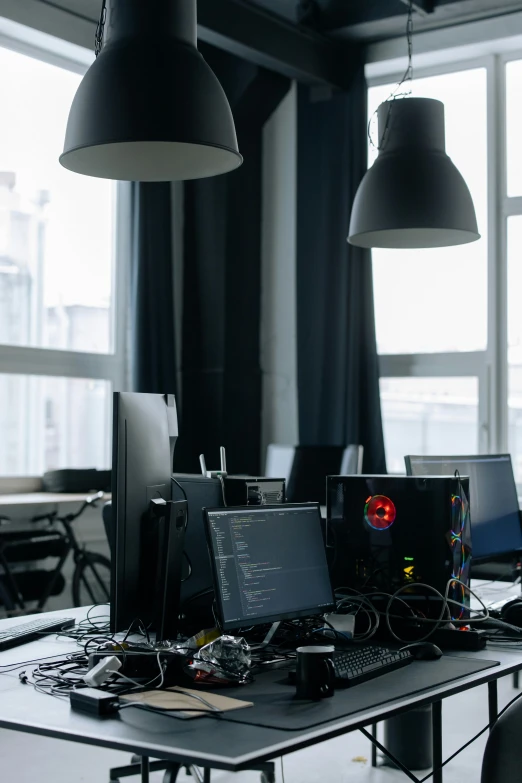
{"x":437,"y":742}
{"x":145,"y":769}
{"x":374,"y":747}
{"x":516,"y":680}
{"x":206,"y":775}
{"x":493,"y":702}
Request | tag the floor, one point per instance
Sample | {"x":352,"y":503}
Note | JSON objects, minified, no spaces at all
{"x":345,"y":759}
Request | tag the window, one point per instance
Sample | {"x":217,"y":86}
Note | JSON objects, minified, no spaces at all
{"x":449,"y":321}
{"x":60,"y":332}
{"x":428,"y":416}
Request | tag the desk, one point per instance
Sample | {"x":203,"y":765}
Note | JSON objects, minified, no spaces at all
{"x":48,"y":498}
{"x":207,"y":742}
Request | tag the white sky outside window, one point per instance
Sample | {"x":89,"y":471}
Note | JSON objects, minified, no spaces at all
{"x":63,"y":250}
{"x":428,"y":416}
{"x":513,"y":124}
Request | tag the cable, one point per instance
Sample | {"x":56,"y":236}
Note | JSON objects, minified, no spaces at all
{"x":282,"y":771}
{"x":168,"y":712}
{"x":222,"y":482}
{"x":206,"y":591}
{"x":408,"y":75}
{"x":182,"y":490}
{"x":144,"y":686}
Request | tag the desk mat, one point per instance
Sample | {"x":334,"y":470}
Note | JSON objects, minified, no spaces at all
{"x":275,"y":706}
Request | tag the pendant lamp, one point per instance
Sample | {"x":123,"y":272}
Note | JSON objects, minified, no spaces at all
{"x":413,"y":196}
{"x":149,"y":108}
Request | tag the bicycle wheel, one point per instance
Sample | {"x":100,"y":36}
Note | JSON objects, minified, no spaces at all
{"x":91,"y":583}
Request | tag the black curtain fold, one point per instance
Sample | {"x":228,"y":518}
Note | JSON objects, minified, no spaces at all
{"x":152,"y":336}
{"x":338,"y":374}
{"x":221,"y":375}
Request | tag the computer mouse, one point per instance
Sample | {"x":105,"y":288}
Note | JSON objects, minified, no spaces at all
{"x":424,"y":651}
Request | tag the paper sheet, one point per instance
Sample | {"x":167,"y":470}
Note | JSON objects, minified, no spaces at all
{"x":185,"y":700}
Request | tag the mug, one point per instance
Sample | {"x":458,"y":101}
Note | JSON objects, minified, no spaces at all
{"x":315,"y":673}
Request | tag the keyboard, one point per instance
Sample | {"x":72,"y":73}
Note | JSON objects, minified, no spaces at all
{"x":28,"y":632}
{"x":364,"y":663}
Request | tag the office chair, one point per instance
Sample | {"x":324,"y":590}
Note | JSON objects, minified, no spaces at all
{"x":503,"y":755}
{"x":305,"y":468}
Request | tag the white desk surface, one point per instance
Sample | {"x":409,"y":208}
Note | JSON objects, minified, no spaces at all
{"x":47,"y":498}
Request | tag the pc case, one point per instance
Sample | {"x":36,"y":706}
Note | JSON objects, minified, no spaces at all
{"x":254,"y":490}
{"x":388,"y":532}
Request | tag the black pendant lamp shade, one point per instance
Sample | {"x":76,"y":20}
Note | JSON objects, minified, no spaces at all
{"x":413,"y":196}
{"x":149,"y":108}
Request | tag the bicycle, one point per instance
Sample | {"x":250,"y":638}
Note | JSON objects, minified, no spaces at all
{"x":92,"y":572}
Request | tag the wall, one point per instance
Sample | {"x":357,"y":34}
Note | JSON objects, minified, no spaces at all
{"x":278,"y":306}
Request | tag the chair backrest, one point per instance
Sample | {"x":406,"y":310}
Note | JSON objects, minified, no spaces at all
{"x":306,"y":468}
{"x":352,"y":461}
{"x":279,"y":461}
{"x":503,"y":755}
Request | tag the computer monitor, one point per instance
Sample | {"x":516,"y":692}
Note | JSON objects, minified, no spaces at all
{"x":306,"y":468}
{"x":268,"y":563}
{"x":494,"y":509}
{"x":144,"y":435}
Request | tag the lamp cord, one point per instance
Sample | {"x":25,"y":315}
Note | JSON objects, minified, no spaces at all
{"x":407,"y":76}
{"x":98,"y":36}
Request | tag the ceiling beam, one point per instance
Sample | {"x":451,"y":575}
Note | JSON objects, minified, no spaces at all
{"x":245,"y":30}
{"x":421,"y":6}
{"x":371,"y":20}
{"x":267,"y":40}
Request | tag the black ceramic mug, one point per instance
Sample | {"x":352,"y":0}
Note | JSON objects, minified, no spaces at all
{"x":315,"y":672}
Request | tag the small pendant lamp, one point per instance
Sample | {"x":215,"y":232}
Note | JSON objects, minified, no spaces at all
{"x":413,"y":196}
{"x":150,"y":108}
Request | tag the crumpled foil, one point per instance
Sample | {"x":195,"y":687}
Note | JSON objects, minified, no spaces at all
{"x":227,"y":659}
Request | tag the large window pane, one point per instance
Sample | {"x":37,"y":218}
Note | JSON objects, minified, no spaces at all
{"x":436,"y":300}
{"x":513,"y":124}
{"x":515,"y":343}
{"x":428,"y":416}
{"x":48,"y":423}
{"x":56,"y":228}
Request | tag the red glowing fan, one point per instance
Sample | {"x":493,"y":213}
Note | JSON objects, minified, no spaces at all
{"x":380,"y":512}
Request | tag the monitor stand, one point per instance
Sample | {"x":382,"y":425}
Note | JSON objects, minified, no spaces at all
{"x":164,"y":537}
{"x":268,"y":638}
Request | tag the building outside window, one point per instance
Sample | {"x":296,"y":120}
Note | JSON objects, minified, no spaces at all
{"x":60,"y":334}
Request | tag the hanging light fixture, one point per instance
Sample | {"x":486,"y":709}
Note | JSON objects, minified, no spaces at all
{"x":413,"y":196}
{"x":150,"y":108}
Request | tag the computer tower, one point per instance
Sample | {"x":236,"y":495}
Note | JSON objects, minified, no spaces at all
{"x":388,"y":532}
{"x":254,"y":490}
{"x":200,"y":492}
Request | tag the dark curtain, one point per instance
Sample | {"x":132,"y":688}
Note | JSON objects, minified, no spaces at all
{"x":221,"y":376}
{"x":338,"y":375}
{"x":152,"y":340}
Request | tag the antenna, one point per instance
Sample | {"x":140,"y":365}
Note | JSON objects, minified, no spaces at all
{"x":203,"y":465}
{"x":223,"y":457}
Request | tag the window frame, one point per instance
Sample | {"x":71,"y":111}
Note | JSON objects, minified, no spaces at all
{"x":27,"y":360}
{"x":491,"y":365}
